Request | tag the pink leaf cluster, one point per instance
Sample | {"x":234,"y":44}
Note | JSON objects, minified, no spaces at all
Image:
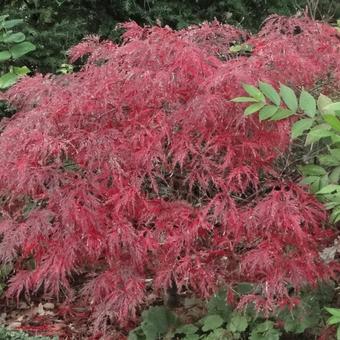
{"x":138,"y":172}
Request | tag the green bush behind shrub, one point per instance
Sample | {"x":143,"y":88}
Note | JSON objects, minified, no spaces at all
{"x":55,"y":25}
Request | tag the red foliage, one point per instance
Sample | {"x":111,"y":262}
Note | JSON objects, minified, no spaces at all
{"x":138,"y":167}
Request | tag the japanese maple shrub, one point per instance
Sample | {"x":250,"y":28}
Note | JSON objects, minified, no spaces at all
{"x":140,"y":173}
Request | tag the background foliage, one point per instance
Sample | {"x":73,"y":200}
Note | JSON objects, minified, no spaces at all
{"x":55,"y":25}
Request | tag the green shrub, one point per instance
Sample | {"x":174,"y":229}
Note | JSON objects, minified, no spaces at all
{"x":221,"y":321}
{"x":13,"y":46}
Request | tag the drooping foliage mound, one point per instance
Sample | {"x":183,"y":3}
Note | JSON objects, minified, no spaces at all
{"x":139,"y":173}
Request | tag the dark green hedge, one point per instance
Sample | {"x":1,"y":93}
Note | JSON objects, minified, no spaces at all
{"x":54,"y":25}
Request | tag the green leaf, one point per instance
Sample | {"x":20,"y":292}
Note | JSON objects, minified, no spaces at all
{"x":335,"y":153}
{"x":253,"y":108}
{"x":334,"y":176}
{"x":5,"y":270}
{"x":310,"y":179}
{"x":322,"y":102}
{"x":301,"y":126}
{"x":307,"y":103}
{"x":333,"y":311}
{"x":335,"y":217}
{"x":8,"y":80}
{"x":333,"y":107}
{"x":324,"y":181}
{"x":254,"y":92}
{"x":281,"y":114}
{"x":11,"y":23}
{"x":238,"y":323}
{"x":218,"y":334}
{"x":235,"y":48}
{"x":331,"y":205}
{"x":5,"y":55}
{"x":218,"y":305}
{"x":315,"y":186}
{"x":338,"y":333}
{"x":136,"y":334}
{"x":3,"y":18}
{"x":265,"y":331}
{"x":335,"y":138}
{"x":244,"y":288}
{"x":328,"y":160}
{"x":21,"y":71}
{"x":328,"y":189}
{"x":332,"y":120}
{"x":192,"y":337}
{"x":15,"y":38}
{"x":212,"y":322}
{"x":289,"y":97}
{"x":187,"y":329}
{"x":157,"y":321}
{"x":269,"y":91}
{"x":21,"y":49}
{"x":244,"y":100}
{"x":318,"y":133}
{"x":267,"y":112}
{"x":313,"y":170}
{"x":265,"y":326}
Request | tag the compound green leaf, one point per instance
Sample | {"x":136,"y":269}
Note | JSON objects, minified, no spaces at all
{"x":269,"y":91}
{"x":289,"y":98}
{"x":307,"y":103}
